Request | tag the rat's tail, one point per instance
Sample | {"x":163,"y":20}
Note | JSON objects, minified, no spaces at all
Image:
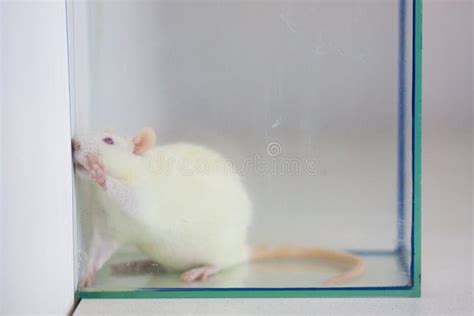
{"x":356,"y":265}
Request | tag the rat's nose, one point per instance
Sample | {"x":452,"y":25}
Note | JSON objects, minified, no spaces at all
{"x":75,"y":145}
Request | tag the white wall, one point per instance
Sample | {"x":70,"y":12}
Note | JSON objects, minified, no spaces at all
{"x":36,"y":262}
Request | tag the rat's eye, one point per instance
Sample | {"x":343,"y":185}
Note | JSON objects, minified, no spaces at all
{"x":108,"y":140}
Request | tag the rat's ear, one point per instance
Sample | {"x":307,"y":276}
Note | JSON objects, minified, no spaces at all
{"x":144,"y":141}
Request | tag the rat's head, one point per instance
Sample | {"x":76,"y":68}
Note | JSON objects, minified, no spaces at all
{"x":121,"y":156}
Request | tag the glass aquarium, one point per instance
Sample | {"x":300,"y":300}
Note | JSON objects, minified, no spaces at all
{"x":246,"y":148}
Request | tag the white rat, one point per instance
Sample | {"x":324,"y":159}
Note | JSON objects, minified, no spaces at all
{"x":182,"y":205}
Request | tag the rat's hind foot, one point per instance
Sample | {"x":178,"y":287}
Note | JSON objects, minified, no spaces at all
{"x":136,"y":267}
{"x":199,"y":273}
{"x":88,"y":279}
{"x":96,"y":169}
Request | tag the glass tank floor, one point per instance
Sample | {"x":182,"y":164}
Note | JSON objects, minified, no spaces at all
{"x":381,"y":269}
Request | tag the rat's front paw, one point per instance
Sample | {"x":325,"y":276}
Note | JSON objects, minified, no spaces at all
{"x":95,"y":167}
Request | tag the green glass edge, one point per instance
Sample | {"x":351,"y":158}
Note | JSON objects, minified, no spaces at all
{"x":417,"y":150}
{"x":408,"y":292}
{"x":413,"y":291}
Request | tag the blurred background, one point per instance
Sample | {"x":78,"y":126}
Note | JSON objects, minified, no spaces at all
{"x":28,"y":55}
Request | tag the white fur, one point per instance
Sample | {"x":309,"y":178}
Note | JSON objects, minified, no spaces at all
{"x":192,"y":209}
